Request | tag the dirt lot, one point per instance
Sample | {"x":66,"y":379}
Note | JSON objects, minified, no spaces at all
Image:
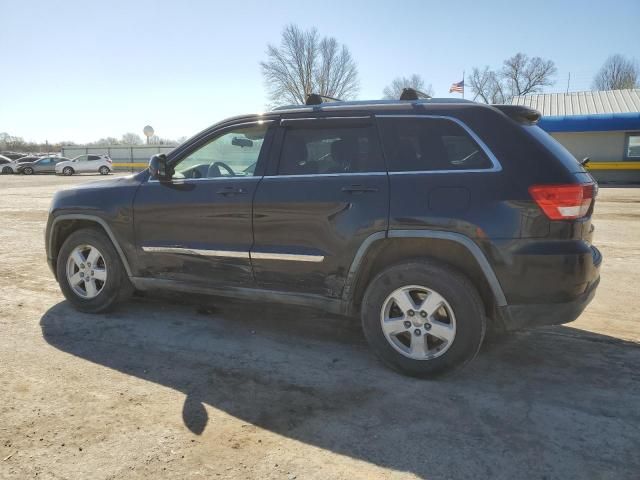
{"x":160,"y":389}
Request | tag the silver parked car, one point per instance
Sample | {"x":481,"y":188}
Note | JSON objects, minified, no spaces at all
{"x":43,"y":165}
{"x":89,"y":163}
{"x":7,"y":165}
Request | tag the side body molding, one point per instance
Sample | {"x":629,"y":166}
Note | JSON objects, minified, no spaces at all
{"x":465,"y":241}
{"x":91,"y":218}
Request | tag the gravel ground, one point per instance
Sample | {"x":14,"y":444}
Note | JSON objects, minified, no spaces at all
{"x":211,"y":389}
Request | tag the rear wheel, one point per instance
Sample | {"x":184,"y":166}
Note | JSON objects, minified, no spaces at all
{"x":28,"y":171}
{"x":68,"y":171}
{"x":423,"y":318}
{"x":104,"y":170}
{"x":90,"y":273}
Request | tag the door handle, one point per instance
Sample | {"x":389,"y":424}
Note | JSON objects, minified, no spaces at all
{"x":231,"y":191}
{"x":359,"y":189}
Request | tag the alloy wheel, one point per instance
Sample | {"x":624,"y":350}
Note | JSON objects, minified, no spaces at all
{"x":86,"y":271}
{"x":418,"y":322}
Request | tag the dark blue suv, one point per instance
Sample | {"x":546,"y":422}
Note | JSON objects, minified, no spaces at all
{"x":431,"y":219}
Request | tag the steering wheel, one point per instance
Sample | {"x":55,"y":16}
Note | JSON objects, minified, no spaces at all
{"x":225,"y":166}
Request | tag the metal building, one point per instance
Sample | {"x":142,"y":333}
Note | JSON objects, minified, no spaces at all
{"x":604,"y":126}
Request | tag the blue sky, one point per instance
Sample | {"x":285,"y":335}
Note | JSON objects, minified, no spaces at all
{"x":80,"y":70}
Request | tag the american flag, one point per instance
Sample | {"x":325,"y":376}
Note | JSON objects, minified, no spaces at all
{"x":457,"y":87}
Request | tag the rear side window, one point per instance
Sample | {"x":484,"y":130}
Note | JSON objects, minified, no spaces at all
{"x":430,"y":144}
{"x":308,"y":151}
{"x":555,"y":148}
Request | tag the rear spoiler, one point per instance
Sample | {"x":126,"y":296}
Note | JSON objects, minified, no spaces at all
{"x":520,"y":113}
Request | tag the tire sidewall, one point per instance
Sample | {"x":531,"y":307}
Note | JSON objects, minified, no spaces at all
{"x":458,"y":291}
{"x":28,"y":171}
{"x":108,"y":297}
{"x":103,"y":170}
{"x":68,"y":171}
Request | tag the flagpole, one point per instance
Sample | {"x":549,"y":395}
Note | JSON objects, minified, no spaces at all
{"x":463,"y":84}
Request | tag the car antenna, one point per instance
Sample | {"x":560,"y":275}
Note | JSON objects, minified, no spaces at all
{"x":413,"y":94}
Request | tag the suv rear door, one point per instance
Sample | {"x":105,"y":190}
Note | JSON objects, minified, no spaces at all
{"x":325,"y":192}
{"x":196,"y":228}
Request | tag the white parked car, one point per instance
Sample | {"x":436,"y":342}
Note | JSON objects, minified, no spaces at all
{"x":7,"y":165}
{"x":86,"y":164}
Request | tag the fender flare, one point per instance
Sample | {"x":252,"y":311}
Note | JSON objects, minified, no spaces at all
{"x":459,"y":238}
{"x":99,"y":221}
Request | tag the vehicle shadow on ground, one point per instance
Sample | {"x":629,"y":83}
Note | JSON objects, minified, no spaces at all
{"x":553,"y":402}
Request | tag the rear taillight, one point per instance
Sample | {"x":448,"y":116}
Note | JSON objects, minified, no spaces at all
{"x":564,"y":202}
{"x":108,"y":159}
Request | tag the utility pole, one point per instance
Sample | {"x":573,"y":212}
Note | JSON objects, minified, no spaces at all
{"x":568,"y":81}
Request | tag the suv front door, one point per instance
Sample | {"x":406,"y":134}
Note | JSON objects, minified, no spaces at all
{"x":324,"y":194}
{"x":196,"y":228}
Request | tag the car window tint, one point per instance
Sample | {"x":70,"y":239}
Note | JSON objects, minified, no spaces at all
{"x":430,"y":144}
{"x":329,"y":151}
{"x":234,"y":153}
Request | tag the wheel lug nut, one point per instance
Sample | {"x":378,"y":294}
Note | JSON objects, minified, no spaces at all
{"x":88,"y":264}
{"x":417,"y":332}
{"x":82,"y":265}
{"x":407,"y":324}
{"x":423,"y":314}
{"x":427,"y":326}
{"x":411,"y":313}
{"x":81,"y":274}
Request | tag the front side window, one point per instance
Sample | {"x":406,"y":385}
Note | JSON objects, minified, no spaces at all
{"x":309,"y":151}
{"x":430,"y":144}
{"x":633,"y":146}
{"x":234,"y":153}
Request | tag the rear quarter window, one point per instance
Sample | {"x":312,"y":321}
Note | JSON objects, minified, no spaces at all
{"x":430,"y":144}
{"x":555,"y":148}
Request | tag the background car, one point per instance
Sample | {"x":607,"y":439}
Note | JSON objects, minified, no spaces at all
{"x":7,"y":165}
{"x":12,"y":155}
{"x":28,"y":158}
{"x":42,"y":165}
{"x":86,"y":164}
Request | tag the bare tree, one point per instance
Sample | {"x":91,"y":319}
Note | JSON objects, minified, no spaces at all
{"x":487,"y":85}
{"x":527,"y":75}
{"x":519,"y":75}
{"x":131,"y":138}
{"x":617,"y":73}
{"x":304,"y":63}
{"x":415,"y":81}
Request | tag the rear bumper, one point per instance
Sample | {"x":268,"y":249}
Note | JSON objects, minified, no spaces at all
{"x":517,"y":316}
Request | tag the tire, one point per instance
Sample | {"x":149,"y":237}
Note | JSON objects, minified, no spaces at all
{"x":460,"y":318}
{"x":68,"y":171}
{"x":104,"y":170}
{"x":115,"y":287}
{"x":7,"y":170}
{"x":28,"y":171}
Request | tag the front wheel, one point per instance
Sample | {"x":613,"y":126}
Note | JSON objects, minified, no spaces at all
{"x":7,"y":170}
{"x":423,"y":318}
{"x":68,"y":171}
{"x":104,"y":170}
{"x":28,"y":171}
{"x":90,"y":273}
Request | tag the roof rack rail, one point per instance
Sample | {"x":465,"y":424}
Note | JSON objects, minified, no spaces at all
{"x":413,"y":94}
{"x":316,"y":99}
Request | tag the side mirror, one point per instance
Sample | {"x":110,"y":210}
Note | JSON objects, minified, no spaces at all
{"x":158,"y":168}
